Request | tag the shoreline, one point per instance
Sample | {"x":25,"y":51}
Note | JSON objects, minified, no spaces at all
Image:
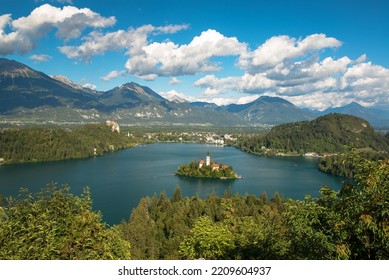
{"x":211,"y":178}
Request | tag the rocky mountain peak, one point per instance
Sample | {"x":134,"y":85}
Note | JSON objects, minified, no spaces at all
{"x":66,"y":81}
{"x":14,"y":69}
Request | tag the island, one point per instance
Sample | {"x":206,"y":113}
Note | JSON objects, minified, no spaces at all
{"x":207,"y":169}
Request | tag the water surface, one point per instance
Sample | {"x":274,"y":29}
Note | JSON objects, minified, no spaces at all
{"x":118,"y":180}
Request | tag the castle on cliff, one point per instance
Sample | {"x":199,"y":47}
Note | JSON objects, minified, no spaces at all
{"x":114,"y":125}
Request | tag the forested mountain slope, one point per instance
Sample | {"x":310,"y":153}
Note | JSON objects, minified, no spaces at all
{"x":43,"y":144}
{"x":333,"y":133}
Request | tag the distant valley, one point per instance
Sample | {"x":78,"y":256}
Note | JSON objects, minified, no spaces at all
{"x":27,"y":95}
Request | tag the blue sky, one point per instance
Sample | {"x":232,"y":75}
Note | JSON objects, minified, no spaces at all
{"x":316,"y":54}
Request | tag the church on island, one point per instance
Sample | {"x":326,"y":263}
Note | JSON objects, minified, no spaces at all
{"x":214,"y":165}
{"x":207,"y":169}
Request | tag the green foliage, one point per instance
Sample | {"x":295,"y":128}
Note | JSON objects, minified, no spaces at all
{"x":162,"y":228}
{"x":141,"y":233}
{"x":337,"y":165}
{"x":208,"y":240}
{"x":261,"y":236}
{"x":366,"y":209}
{"x":41,"y":144}
{"x":192,"y":169}
{"x":54,"y":224}
{"x":350,"y":224}
{"x":344,"y":164}
{"x":309,"y":228}
{"x":333,"y":133}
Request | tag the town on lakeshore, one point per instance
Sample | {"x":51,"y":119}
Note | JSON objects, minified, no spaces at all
{"x":207,"y":169}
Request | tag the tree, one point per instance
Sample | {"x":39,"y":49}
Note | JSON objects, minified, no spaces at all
{"x":365,"y":210}
{"x":177,"y":194}
{"x":141,"y":233}
{"x":261,"y":238}
{"x":350,"y":224}
{"x":54,"y":224}
{"x":309,"y":228}
{"x":42,"y":144}
{"x":208,"y":240}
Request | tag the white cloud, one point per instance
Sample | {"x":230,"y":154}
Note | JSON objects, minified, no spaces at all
{"x":249,"y":83}
{"x":173,"y":95}
{"x":319,"y":101}
{"x":281,"y":49}
{"x":246,"y":99}
{"x":112,"y":75}
{"x":214,"y":86}
{"x":270,"y":67}
{"x":132,"y":40}
{"x":254,"y":83}
{"x":366,"y":76}
{"x":151,"y":60}
{"x":4,"y":21}
{"x":58,"y":1}
{"x":40,"y":57}
{"x":90,"y":86}
{"x":361,"y":82}
{"x":233,"y":99}
{"x":9,"y":42}
{"x":174,"y":81}
{"x":170,"y":59}
{"x":293,"y":69}
{"x":27,"y":31}
{"x":69,"y":21}
{"x":171,"y":28}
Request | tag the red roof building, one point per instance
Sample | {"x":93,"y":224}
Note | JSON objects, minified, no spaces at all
{"x":215,"y":166}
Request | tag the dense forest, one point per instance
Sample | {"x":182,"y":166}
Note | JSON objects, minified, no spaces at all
{"x":343,"y":165}
{"x":352,"y":223}
{"x":43,"y":144}
{"x":333,"y":133}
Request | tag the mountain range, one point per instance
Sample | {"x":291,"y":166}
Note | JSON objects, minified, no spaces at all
{"x":376,"y":117}
{"x":27,"y":94}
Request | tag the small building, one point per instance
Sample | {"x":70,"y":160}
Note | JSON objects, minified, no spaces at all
{"x":201,"y":163}
{"x":312,"y":154}
{"x":215,"y":166}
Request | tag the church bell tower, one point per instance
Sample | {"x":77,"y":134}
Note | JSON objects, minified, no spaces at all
{"x":208,"y":160}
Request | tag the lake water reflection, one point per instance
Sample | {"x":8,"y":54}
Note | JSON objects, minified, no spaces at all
{"x":118,"y":180}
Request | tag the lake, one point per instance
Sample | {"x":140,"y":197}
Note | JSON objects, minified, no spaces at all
{"x":118,"y":180}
